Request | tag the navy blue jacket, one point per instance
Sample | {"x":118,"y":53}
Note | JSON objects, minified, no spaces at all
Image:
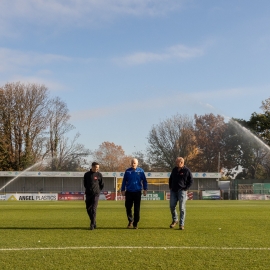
{"x":93,"y":183}
{"x":180,"y":180}
{"x":134,"y":180}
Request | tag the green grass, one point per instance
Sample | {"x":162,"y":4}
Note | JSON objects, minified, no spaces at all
{"x":55,"y":235}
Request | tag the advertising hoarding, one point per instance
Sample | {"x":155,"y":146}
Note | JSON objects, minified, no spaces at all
{"x":211,"y":194}
{"x":32,"y":197}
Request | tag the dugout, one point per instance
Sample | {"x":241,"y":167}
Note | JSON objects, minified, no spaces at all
{"x":46,"y":182}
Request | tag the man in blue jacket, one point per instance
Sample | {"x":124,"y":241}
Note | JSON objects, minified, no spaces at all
{"x":180,"y":181}
{"x":133,"y":182}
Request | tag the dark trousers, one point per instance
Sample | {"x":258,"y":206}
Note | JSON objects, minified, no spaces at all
{"x":133,"y":198}
{"x":91,"y":203}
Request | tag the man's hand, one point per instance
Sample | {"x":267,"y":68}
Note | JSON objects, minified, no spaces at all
{"x":123,"y":193}
{"x":144,"y":192}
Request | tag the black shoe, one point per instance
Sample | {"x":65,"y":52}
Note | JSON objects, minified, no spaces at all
{"x":92,"y":228}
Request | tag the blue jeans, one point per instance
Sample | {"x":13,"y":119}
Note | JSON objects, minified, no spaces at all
{"x":180,"y":196}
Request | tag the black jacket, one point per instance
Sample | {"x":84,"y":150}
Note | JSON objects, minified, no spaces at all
{"x":93,"y":183}
{"x":180,"y":180}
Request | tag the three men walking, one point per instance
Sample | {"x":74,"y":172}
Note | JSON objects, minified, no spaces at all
{"x":134,"y":181}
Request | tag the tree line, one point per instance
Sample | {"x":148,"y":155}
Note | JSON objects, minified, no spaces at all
{"x":208,"y":143}
{"x":34,"y":127}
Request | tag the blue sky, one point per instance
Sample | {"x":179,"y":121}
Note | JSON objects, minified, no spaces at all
{"x":123,"y":66}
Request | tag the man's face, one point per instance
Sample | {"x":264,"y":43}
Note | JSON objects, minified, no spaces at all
{"x":134,"y":164}
{"x":95,"y":168}
{"x":179,"y":162}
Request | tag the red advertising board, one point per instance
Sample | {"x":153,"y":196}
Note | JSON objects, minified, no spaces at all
{"x":107,"y":195}
{"x":70,"y":197}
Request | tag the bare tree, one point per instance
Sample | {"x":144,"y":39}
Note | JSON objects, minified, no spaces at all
{"x":58,"y":126}
{"x":70,"y":155}
{"x":170,"y":139}
{"x":32,"y":126}
{"x":65,"y":154}
{"x":209,"y":131}
{"x":23,"y":119}
{"x":143,"y":163}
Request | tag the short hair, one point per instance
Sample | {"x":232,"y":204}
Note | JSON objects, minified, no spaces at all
{"x":94,"y":164}
{"x":134,"y":160}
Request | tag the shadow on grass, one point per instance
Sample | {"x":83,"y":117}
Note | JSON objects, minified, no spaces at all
{"x":43,"y":228}
{"x":139,"y":228}
{"x":82,"y":228}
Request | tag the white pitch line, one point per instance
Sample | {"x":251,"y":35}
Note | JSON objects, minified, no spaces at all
{"x":126,"y":247}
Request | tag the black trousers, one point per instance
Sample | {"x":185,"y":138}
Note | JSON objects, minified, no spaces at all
{"x":133,"y":198}
{"x":91,"y":203}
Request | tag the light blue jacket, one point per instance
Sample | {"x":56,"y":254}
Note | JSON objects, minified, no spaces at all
{"x":134,"y":180}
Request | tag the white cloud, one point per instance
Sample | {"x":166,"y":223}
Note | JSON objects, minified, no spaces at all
{"x":230,"y":93}
{"x":177,"y":52}
{"x":33,"y":67}
{"x":142,"y":58}
{"x":101,"y":112}
{"x":15,"y":64}
{"x":183,"y":52}
{"x":81,"y":12}
{"x":13,"y":59}
{"x":200,"y":99}
{"x":50,"y":84}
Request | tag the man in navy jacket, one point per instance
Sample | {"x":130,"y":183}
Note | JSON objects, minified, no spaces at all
{"x":93,"y":184}
{"x":133,"y":182}
{"x":180,"y":181}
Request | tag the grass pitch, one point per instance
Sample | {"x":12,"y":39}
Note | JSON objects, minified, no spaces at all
{"x":56,"y":235}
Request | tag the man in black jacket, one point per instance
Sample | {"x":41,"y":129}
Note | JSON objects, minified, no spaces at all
{"x":93,"y":184}
{"x":180,"y":181}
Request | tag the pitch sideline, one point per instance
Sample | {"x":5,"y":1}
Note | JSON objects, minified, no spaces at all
{"x":127,"y":247}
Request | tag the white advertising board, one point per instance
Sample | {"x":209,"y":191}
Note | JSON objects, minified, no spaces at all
{"x":252,"y":197}
{"x":32,"y":197}
{"x":211,"y":194}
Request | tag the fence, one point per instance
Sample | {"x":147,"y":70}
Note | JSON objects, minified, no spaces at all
{"x":65,"y":182}
{"x":75,"y":184}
